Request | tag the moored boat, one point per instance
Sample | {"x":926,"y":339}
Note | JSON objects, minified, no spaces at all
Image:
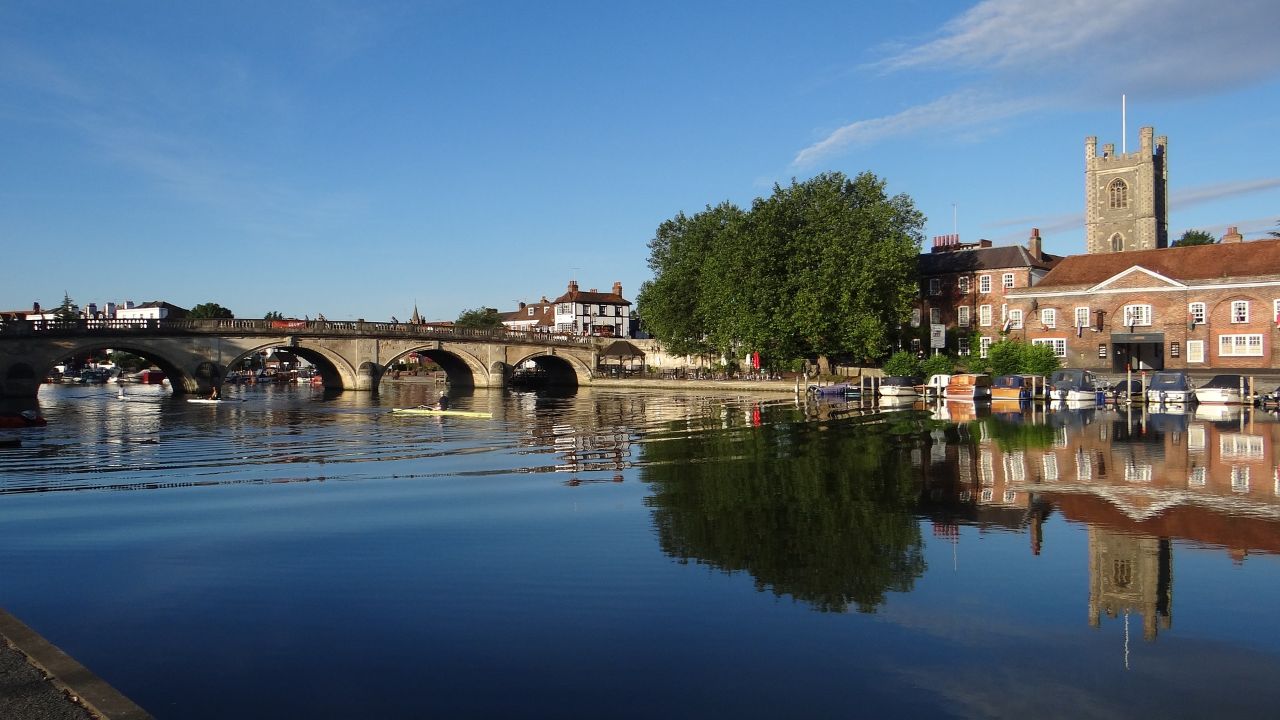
{"x":969,"y":386}
{"x":1074,"y":386}
{"x":898,"y":386}
{"x":24,"y":419}
{"x":1223,"y":389}
{"x":1171,"y":386}
{"x":1010,"y":387}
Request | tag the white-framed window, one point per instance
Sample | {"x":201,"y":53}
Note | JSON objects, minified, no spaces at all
{"x":987,"y":495}
{"x":935,"y":315}
{"x":530,"y":312}
{"x":1137,"y":315}
{"x":1010,"y":495}
{"x":935,"y":286}
{"x":962,"y":284}
{"x":1196,"y":438}
{"x":1195,"y":351}
{"x":1239,"y":478}
{"x":1136,"y":473}
{"x":984,"y":346}
{"x":962,"y":316}
{"x":1006,"y":281}
{"x":984,"y":283}
{"x":1049,"y":317}
{"x":1082,"y":317}
{"x":1050,"y":462}
{"x":1195,"y":313}
{"x":1084,"y":466}
{"x":915,"y":317}
{"x":1015,"y":319}
{"x":1239,"y":311}
{"x":1240,"y":345}
{"x":984,"y":316}
{"x":1241,"y":446}
{"x":1059,"y":345}
{"x":1015,"y":467}
{"x":962,"y":345}
{"x":1197,"y":477}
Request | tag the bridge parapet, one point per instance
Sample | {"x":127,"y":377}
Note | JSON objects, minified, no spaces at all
{"x":309,"y":328}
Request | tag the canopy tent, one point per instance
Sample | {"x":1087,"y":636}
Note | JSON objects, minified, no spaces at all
{"x":621,"y":352}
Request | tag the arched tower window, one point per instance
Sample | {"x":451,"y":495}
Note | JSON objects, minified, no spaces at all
{"x":1117,"y":242}
{"x":1118,"y":192}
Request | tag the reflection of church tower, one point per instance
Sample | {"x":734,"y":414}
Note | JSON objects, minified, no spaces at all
{"x":1126,"y":196}
{"x":1130,"y":572}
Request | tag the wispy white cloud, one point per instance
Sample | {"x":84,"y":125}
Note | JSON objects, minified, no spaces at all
{"x":967,"y":109}
{"x":1023,"y":56}
{"x":1190,"y":197}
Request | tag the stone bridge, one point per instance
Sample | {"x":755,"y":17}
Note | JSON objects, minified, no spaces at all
{"x":195,"y":354}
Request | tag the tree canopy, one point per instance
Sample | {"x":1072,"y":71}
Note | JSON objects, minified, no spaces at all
{"x":1195,"y":237}
{"x":483,"y":318}
{"x":818,"y":268}
{"x":210,"y":310}
{"x":273,"y":315}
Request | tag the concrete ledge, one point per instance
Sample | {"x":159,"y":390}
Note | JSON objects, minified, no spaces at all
{"x":65,"y":673}
{"x":765,"y":386}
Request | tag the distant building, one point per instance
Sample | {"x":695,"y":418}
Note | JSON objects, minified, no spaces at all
{"x":155,"y":310}
{"x":1126,"y":203}
{"x":593,"y":312}
{"x":964,"y":287}
{"x":532,"y":317}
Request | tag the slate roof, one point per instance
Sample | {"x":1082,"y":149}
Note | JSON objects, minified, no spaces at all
{"x":1197,"y":262}
{"x":581,"y":296}
{"x":992,"y":258}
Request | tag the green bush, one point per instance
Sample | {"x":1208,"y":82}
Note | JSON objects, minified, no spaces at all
{"x":1006,"y":357}
{"x":940,"y":364}
{"x":1039,"y":360}
{"x":902,"y":363}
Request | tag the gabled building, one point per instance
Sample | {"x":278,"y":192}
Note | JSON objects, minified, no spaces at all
{"x":154,"y":310}
{"x":965,"y":287}
{"x":532,"y":317}
{"x":593,"y":312}
{"x":1204,"y":307}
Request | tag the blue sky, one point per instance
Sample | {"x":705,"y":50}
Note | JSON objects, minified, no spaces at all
{"x":352,"y":159}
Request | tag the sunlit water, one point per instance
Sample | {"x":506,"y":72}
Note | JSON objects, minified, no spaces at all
{"x":646,"y":554}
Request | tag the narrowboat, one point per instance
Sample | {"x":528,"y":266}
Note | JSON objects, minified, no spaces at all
{"x":969,"y":386}
{"x":1171,"y":387}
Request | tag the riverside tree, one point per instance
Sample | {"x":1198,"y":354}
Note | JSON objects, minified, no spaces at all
{"x":210,"y":310}
{"x":819,"y":268}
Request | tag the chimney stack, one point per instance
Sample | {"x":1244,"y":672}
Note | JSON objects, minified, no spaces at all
{"x":1233,"y":236}
{"x":1033,"y":245}
{"x":984,"y":243}
{"x":35,"y":307}
{"x":573,"y":286}
{"x":617,"y":289}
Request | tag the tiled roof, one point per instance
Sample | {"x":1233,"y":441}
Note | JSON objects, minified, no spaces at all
{"x":1198,"y":262}
{"x":592,"y":297}
{"x":992,"y":258}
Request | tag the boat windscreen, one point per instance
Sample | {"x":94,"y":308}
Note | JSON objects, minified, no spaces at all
{"x":1008,"y":381}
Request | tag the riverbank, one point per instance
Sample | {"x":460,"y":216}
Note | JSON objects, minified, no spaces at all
{"x":40,"y":681}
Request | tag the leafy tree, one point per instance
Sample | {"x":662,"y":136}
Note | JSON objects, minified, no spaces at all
{"x":1006,"y":357}
{"x":210,"y":310}
{"x":1195,"y":237}
{"x":1039,"y":360}
{"x":273,"y":315}
{"x":902,"y":363}
{"x":482,"y":318}
{"x":819,"y":268}
{"x":940,"y":364}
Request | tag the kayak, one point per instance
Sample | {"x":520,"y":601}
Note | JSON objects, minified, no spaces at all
{"x":450,"y":413}
{"x":210,"y":400}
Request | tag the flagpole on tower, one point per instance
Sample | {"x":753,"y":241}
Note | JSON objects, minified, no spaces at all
{"x":1124,"y":147}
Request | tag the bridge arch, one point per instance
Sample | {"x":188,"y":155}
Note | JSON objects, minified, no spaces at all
{"x":25,"y":378}
{"x":561,"y":370}
{"x":460,"y":367}
{"x":336,"y":372}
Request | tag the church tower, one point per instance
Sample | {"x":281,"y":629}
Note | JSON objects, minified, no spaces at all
{"x":1126,"y":196}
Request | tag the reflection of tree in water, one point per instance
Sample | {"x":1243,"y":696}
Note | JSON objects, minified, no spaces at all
{"x":821,"y":513}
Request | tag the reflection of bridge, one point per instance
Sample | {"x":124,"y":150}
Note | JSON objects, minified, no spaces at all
{"x":195,"y":354}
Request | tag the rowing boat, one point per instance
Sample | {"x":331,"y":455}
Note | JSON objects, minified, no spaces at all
{"x":433,"y":411}
{"x":210,"y":400}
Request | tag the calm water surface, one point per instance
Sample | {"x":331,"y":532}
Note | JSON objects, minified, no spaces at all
{"x":647,"y":554}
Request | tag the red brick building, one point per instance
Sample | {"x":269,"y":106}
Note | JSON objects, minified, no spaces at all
{"x":965,"y":287}
{"x":1207,"y":307}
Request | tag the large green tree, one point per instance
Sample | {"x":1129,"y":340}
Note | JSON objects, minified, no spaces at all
{"x":819,"y":268}
{"x":482,"y":318}
{"x":210,"y":310}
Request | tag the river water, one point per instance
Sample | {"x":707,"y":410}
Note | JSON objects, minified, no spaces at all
{"x":647,"y":554}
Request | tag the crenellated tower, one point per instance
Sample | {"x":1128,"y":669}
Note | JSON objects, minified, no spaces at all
{"x":1126,"y":205}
